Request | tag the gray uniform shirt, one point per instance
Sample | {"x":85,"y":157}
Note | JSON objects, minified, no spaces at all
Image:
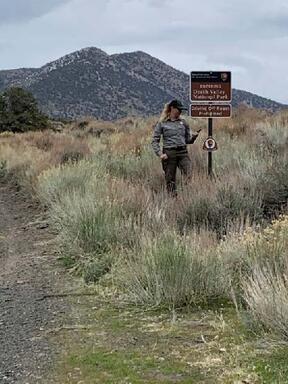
{"x":175,"y":134}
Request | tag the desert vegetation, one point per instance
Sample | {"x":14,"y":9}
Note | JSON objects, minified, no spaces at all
{"x":221,"y":242}
{"x":19,"y":111}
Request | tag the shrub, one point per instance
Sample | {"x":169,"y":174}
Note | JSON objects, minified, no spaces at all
{"x":43,"y":141}
{"x":270,"y":245}
{"x":19,"y":111}
{"x":217,"y":211}
{"x":274,"y":185}
{"x":3,"y":168}
{"x":88,"y":232}
{"x":170,"y":271}
{"x":23,"y":163}
{"x":91,"y":223}
{"x":70,"y":179}
{"x":67,"y":149}
{"x":266,"y":296}
{"x":144,"y":169}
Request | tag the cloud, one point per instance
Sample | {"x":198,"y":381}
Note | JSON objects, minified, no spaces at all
{"x":250,"y":38}
{"x":18,"y":10}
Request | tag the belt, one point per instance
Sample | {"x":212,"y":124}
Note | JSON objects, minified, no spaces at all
{"x":181,"y":148}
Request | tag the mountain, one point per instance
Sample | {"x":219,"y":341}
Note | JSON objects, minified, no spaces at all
{"x":90,"y":82}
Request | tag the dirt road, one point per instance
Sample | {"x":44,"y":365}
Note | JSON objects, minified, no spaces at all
{"x":28,"y":273}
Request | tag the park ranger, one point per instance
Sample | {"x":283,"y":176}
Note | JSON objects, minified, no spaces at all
{"x":176,"y":134}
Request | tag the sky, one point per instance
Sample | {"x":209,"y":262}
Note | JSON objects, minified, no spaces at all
{"x":248,"y":37}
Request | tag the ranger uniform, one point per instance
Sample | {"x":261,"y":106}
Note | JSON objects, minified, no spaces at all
{"x":176,"y":134}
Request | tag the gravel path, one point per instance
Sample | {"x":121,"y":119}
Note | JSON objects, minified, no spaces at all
{"x":28,"y":272}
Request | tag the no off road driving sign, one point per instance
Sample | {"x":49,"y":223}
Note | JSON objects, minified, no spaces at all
{"x":210,"y":110}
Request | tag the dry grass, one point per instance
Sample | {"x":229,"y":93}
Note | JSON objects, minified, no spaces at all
{"x":174,"y":271}
{"x":266,"y":297}
{"x":29,"y":154}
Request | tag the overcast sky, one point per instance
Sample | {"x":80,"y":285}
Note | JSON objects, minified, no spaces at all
{"x":248,"y":37}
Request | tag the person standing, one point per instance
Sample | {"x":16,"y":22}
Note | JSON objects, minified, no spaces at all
{"x":176,"y":134}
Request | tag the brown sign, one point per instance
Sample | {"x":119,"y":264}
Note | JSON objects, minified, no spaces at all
{"x":210,"y":86}
{"x":210,"y":110}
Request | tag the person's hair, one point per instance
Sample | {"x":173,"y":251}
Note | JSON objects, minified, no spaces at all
{"x":165,"y":113}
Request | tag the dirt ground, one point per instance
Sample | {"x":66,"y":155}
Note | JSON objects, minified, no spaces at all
{"x":29,"y":278}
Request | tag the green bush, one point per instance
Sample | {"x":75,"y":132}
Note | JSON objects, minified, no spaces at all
{"x":89,"y":231}
{"x":95,"y":269}
{"x":274,"y":186}
{"x":266,"y":296}
{"x":70,"y":179}
{"x":170,"y":271}
{"x":3,"y":168}
{"x":90,"y":224}
{"x":19,"y":112}
{"x":229,"y":204}
{"x":134,"y":168}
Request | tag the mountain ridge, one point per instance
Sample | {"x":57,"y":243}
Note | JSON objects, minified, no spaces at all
{"x":91,"y":82}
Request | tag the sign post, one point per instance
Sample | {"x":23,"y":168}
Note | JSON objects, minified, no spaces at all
{"x":210,"y":95}
{"x":210,"y":133}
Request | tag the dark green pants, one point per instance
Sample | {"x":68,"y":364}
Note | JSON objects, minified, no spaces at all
{"x":176,"y":158}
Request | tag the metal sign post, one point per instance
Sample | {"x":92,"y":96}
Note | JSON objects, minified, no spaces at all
{"x":209,"y":94}
{"x":210,"y":132}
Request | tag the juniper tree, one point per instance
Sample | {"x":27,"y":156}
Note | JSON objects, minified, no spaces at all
{"x":19,"y":111}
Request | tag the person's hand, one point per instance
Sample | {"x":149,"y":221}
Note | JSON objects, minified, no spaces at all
{"x":163,"y":156}
{"x":195,"y":135}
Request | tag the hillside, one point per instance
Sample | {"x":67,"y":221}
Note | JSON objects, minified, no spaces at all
{"x":91,"y":82}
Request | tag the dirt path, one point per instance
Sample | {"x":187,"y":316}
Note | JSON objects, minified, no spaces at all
{"x":28,"y":272}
